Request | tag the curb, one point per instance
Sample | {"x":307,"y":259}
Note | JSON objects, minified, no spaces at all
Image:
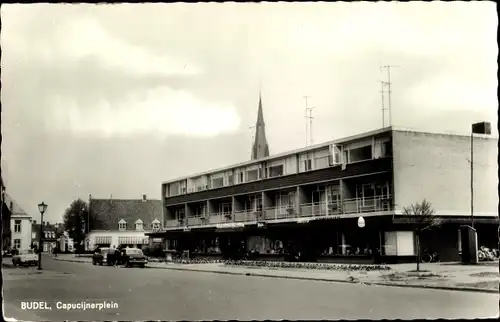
{"x":445,"y":288}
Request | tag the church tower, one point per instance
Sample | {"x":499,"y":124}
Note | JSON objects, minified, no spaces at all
{"x":260,"y":148}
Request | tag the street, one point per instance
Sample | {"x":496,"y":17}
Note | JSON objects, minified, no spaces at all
{"x":151,"y":294}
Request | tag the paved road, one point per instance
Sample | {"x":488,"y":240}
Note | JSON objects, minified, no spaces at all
{"x":151,"y":294}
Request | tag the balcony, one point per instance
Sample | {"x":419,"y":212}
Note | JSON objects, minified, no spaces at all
{"x":245,"y":216}
{"x":288,"y":213}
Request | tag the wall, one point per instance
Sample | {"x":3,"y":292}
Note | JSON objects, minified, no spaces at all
{"x":436,"y":167}
{"x":25,"y":234}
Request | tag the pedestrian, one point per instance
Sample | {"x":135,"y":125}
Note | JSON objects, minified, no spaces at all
{"x":116,"y":256}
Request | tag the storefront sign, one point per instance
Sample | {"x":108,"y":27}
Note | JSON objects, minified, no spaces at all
{"x":186,"y":229}
{"x":261,"y":225}
{"x":230,"y":225}
{"x":303,"y":221}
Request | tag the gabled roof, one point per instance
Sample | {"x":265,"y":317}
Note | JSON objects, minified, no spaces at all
{"x":139,"y":221}
{"x":13,"y":206}
{"x":106,"y":213}
{"x":122,"y":221}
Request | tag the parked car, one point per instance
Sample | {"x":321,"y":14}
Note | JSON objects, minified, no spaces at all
{"x":103,"y":256}
{"x":8,"y":253}
{"x":25,"y":257}
{"x":134,"y":257}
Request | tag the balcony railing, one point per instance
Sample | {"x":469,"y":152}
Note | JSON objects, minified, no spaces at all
{"x":245,"y":216}
{"x":314,"y":210}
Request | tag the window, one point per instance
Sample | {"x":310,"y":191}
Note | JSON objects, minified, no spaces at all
{"x":225,"y":208}
{"x":387,"y":149}
{"x":241,"y":177}
{"x":334,"y":157}
{"x":17,"y":243}
{"x":218,"y":182}
{"x":360,"y":154}
{"x":346,"y":157}
{"x":307,"y":165}
{"x":33,"y":235}
{"x":17,"y":226}
{"x":139,"y":225}
{"x":321,"y":162}
{"x":276,"y":171}
{"x":230,"y":179}
{"x":122,"y":225}
{"x":252,"y":175}
{"x":46,"y":234}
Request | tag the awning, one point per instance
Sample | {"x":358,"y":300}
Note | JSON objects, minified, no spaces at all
{"x":103,"y":240}
{"x":132,"y":240}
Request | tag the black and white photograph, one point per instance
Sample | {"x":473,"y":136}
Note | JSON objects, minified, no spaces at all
{"x":249,"y":161}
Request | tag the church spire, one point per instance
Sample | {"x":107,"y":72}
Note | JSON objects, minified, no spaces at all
{"x":260,"y":148}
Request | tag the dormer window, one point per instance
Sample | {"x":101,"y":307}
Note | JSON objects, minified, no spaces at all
{"x":122,"y":225}
{"x":46,"y":234}
{"x":155,"y":224}
{"x":139,"y":225}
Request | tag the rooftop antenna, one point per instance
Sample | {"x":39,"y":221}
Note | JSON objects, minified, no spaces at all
{"x":310,"y":117}
{"x":389,"y":91}
{"x":306,"y":98}
{"x":382,"y":92}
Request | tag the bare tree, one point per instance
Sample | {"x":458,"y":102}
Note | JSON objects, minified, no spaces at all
{"x":423,"y":218}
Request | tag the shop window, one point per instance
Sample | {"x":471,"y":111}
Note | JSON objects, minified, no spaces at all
{"x":264,"y":245}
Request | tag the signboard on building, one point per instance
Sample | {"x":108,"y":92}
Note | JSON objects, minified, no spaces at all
{"x":261,"y":224}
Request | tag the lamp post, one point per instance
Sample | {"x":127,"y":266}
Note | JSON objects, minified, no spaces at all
{"x":42,"y":207}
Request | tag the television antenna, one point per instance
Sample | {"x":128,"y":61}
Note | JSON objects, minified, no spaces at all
{"x":389,"y":88}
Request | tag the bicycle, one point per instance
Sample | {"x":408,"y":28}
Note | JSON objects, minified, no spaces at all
{"x":430,"y":257}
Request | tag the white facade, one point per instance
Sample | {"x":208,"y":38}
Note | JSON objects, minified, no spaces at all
{"x":20,"y":226}
{"x":66,"y":243}
{"x":437,"y":167}
{"x":116,"y":238}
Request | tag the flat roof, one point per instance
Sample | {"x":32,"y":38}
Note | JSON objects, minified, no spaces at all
{"x":323,"y":145}
{"x":283,"y":154}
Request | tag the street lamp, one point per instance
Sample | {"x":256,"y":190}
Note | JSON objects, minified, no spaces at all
{"x":42,"y":207}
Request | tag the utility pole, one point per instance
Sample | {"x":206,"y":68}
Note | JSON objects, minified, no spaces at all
{"x":306,"y":97}
{"x":389,"y":90}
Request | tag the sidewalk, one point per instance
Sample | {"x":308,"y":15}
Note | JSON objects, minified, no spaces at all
{"x":481,"y":278}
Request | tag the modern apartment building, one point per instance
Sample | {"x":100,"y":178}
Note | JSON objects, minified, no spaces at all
{"x":309,"y":200}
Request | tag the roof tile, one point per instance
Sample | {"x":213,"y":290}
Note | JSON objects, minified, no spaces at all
{"x":106,"y":213}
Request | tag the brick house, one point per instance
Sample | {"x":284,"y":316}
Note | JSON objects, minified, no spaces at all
{"x":115,"y":222}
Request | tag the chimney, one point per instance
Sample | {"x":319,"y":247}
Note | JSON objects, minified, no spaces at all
{"x":144,"y":198}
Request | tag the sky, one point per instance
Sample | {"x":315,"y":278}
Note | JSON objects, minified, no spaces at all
{"x":111,"y":100}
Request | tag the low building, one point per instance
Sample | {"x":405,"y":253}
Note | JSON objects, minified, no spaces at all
{"x":309,"y":200}
{"x":65,"y":242}
{"x":125,"y":222}
{"x":49,"y":236}
{"x":20,"y":225}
